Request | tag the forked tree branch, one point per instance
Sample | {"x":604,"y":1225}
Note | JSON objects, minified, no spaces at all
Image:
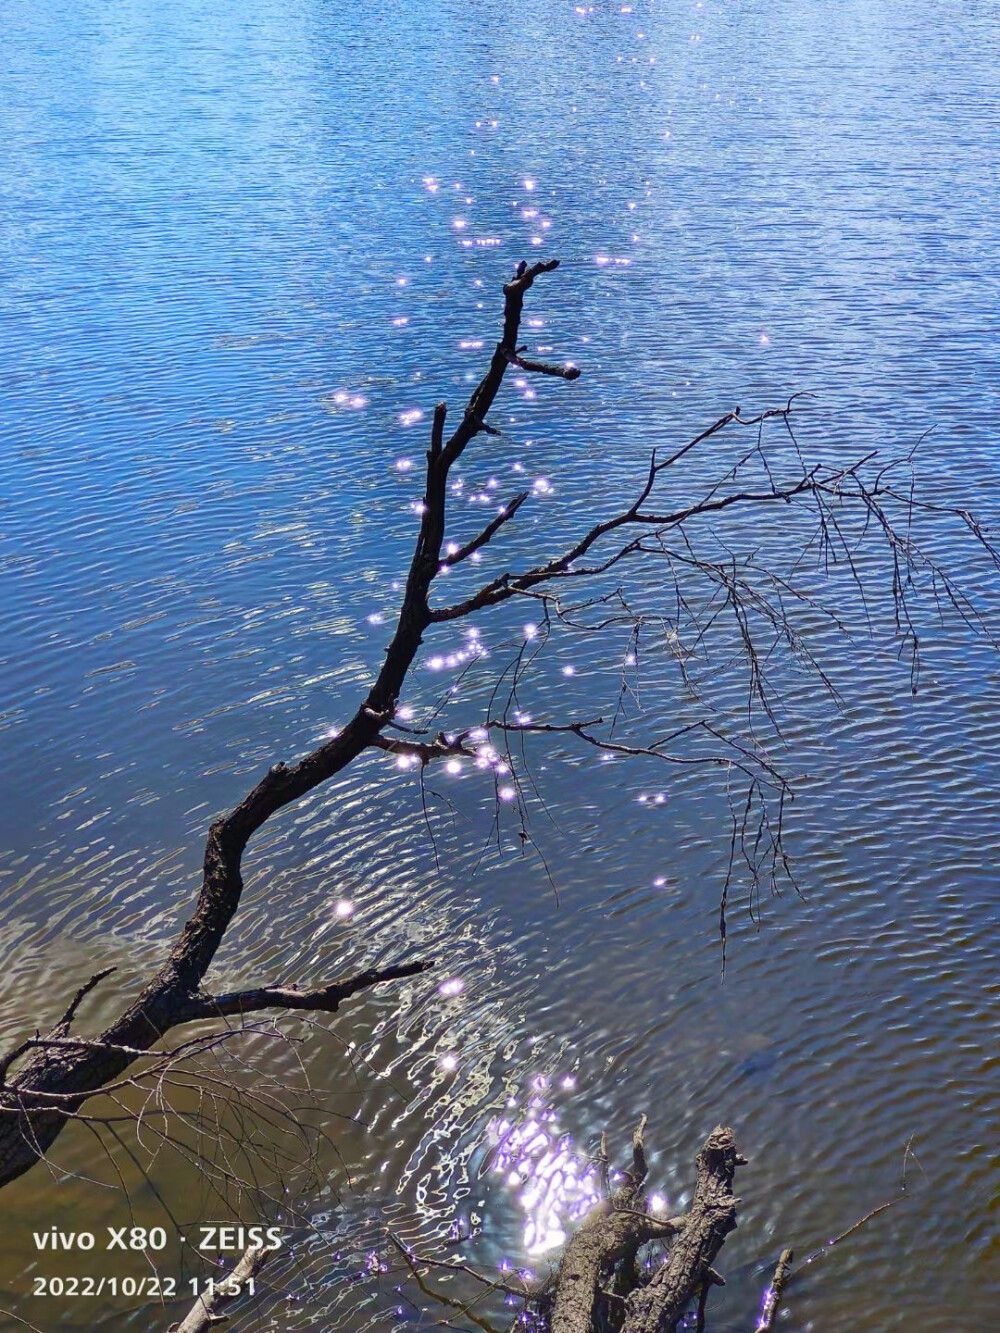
{"x":45,"y":1081}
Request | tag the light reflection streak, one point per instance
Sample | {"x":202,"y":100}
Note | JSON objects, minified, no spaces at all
{"x":558,"y":1185}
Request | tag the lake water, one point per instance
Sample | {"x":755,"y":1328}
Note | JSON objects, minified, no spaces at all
{"x":243,"y":248}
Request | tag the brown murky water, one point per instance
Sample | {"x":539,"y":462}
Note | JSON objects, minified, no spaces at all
{"x":244,"y":251}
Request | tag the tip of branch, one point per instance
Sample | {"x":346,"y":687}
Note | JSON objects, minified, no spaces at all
{"x":525,"y":274}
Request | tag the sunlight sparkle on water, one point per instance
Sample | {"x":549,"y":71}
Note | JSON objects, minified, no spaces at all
{"x":411,"y":416}
{"x":344,"y":399}
{"x":449,"y":1062}
{"x":560,"y":1186}
{"x":453,"y":986}
{"x":344,"y":909}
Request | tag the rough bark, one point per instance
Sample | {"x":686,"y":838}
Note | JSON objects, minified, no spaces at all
{"x":657,"y":1307}
{"x":612,"y":1233}
{"x":600,"y":1285}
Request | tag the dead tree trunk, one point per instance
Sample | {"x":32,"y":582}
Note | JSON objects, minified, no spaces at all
{"x":658,"y":1306}
{"x":602,"y":1283}
{"x":207,"y":1310}
{"x":610,"y":1235}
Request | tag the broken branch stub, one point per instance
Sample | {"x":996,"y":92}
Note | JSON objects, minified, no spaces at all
{"x":659,"y":1305}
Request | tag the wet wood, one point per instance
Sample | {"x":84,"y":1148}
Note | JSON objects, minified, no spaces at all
{"x":599,"y":1284}
{"x":772,"y":1298}
{"x":206,"y":1313}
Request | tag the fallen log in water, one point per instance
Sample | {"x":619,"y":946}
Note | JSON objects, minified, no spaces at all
{"x":600,"y":1285}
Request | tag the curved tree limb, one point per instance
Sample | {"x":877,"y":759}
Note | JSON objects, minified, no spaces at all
{"x":29,"y":1121}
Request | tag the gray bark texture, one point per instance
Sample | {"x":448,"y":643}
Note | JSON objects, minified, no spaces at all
{"x":600,"y":1287}
{"x":657,"y":1307}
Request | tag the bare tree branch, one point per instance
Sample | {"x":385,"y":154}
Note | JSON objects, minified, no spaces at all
{"x":29,"y":1122}
{"x":206,"y":1312}
{"x":722,"y":610}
